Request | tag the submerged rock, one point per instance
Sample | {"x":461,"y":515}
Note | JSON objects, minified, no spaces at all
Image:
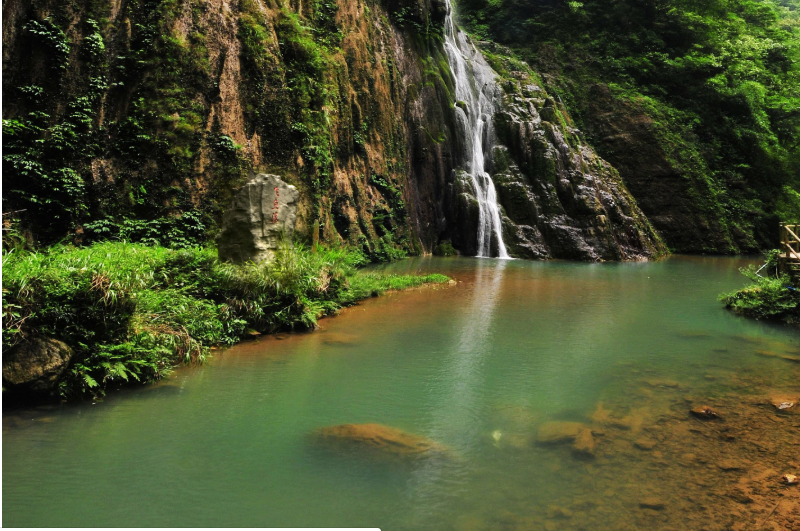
{"x":651,"y":502}
{"x":584,"y":444}
{"x":779,"y":355}
{"x":729,"y":465}
{"x":556,"y":512}
{"x":662,"y":382}
{"x":784,"y":403}
{"x":339,"y":339}
{"x":559,"y":432}
{"x":380,"y":438}
{"x":644,"y":444}
{"x":704,"y":412}
{"x":36,"y":365}
{"x":740,"y":496}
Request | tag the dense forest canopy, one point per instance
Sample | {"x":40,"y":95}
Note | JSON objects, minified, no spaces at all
{"x":720,"y":79}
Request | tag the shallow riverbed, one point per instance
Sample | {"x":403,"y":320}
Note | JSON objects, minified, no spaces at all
{"x":480,"y":367}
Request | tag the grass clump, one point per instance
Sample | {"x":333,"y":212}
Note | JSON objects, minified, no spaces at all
{"x":132,"y":312}
{"x":771,"y":297}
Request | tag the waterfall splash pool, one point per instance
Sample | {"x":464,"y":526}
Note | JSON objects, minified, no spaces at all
{"x":479,"y":367}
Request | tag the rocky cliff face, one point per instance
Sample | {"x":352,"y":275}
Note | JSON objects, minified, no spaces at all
{"x":560,"y":200}
{"x":681,"y":206}
{"x":149,"y":109}
{"x":139,"y":117}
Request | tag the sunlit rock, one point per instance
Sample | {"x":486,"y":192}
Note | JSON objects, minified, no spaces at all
{"x":262,"y":215}
{"x":36,"y":365}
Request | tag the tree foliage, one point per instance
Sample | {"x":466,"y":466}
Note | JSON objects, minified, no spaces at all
{"x":721,"y":76}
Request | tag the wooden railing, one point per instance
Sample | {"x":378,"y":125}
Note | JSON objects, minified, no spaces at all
{"x":790,"y":250}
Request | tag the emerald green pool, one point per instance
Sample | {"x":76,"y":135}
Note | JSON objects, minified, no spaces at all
{"x":477,"y":366}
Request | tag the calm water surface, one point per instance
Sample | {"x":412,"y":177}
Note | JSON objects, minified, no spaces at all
{"x":512,"y":345}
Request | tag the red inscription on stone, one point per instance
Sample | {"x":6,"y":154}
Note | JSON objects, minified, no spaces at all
{"x":275,"y":207}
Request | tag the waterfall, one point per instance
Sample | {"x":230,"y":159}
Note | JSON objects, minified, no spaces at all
{"x":475,"y":106}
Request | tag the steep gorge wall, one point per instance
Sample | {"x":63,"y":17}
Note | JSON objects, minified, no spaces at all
{"x":149,"y":109}
{"x":559,"y":199}
{"x":138,"y":118}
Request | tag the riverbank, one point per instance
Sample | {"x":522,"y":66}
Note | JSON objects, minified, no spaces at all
{"x":770,"y":297}
{"x":76,"y":320}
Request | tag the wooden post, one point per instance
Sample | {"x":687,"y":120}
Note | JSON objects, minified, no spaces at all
{"x":784,"y":240}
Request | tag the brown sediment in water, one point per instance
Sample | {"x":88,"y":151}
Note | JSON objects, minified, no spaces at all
{"x":681,"y":472}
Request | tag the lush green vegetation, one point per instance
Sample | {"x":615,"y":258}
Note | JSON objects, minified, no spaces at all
{"x":771,"y":296}
{"x":108,"y":134}
{"x":133,"y":311}
{"x":718,"y":79}
{"x":112,"y":124}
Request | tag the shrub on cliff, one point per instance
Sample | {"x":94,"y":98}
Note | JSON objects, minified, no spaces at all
{"x":131,"y":312}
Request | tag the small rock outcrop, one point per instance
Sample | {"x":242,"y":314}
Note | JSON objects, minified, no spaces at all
{"x":263,"y":212}
{"x":36,"y":365}
{"x":379,"y":438}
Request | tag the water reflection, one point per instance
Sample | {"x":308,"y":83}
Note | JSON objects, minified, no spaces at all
{"x":455,"y":414}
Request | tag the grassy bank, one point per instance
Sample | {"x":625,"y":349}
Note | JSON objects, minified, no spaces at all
{"x":132,"y":312}
{"x":771,"y":295}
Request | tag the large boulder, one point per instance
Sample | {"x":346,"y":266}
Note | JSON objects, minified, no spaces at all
{"x":263,"y":213}
{"x":36,"y":365}
{"x":379,"y":438}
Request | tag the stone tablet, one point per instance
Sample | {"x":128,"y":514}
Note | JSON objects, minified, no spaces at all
{"x":263,"y":212}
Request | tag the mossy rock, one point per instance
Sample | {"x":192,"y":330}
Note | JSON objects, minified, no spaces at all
{"x":445,"y":249}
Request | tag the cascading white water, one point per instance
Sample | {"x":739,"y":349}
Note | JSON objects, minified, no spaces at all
{"x":476,"y":92}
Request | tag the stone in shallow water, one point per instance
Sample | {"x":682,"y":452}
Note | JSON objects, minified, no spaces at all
{"x":662,"y":382}
{"x":729,"y":465}
{"x":558,"y":432}
{"x":651,"y":502}
{"x":380,"y":438}
{"x":740,"y":496}
{"x":644,"y":444}
{"x":779,"y":355}
{"x":784,"y":403}
{"x":584,"y":444}
{"x":339,"y":338}
{"x":556,"y":511}
{"x":704,"y":412}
